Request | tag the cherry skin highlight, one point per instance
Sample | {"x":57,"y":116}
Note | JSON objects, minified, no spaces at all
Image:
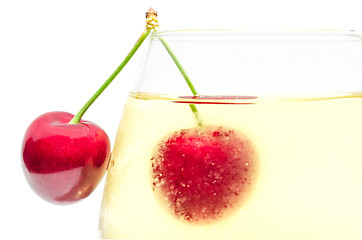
{"x":63,"y":162}
{"x":204,"y":173}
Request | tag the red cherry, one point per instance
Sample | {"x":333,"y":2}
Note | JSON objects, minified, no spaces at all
{"x":204,"y":173}
{"x":64,"y":162}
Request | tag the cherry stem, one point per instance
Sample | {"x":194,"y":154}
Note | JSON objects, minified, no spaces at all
{"x":193,"y":107}
{"x":76,"y":119}
{"x":151,"y":23}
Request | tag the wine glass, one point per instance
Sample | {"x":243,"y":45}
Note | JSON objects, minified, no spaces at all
{"x":263,"y":142}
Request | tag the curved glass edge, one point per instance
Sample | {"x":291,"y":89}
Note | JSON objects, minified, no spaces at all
{"x":260,"y":35}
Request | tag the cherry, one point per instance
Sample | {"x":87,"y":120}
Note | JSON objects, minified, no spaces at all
{"x":64,"y":158}
{"x":204,"y":172}
{"x":64,"y":162}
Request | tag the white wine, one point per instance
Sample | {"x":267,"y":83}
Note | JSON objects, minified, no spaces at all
{"x":308,"y":181}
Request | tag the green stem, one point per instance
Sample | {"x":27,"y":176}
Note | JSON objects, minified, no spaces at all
{"x":193,"y":107}
{"x":81,"y":112}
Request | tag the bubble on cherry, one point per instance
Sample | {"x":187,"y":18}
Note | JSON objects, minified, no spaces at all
{"x":206,"y":173}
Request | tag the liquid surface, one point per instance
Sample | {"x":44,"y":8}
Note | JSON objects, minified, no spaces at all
{"x":309,"y":177}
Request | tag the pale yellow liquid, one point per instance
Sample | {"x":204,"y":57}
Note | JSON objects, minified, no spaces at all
{"x":309,"y":183}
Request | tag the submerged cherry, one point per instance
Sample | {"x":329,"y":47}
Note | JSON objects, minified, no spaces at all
{"x":64,"y":162}
{"x":204,"y":173}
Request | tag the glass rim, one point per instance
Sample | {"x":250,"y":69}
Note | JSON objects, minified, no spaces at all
{"x":278,"y":35}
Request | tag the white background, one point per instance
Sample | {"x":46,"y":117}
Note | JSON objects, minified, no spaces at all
{"x":55,"y":54}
